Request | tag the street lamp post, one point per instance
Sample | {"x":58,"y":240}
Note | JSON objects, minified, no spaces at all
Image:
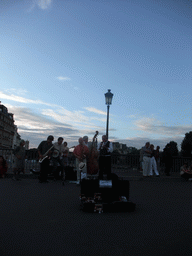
{"x":108,"y":101}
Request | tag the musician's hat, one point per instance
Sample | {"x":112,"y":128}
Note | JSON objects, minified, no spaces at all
{"x":82,"y":166}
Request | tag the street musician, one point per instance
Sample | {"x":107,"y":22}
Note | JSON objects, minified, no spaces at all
{"x":105,"y":149}
{"x":57,"y":157}
{"x":81,"y":152}
{"x":44,"y":151}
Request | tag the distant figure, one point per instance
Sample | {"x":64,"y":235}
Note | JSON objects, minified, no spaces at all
{"x":186,"y":171}
{"x":65,"y":154}
{"x":44,"y":151}
{"x":19,"y":160}
{"x":3,"y":167}
{"x":146,"y":159}
{"x":105,"y":149}
{"x":157,"y":158}
{"x":153,"y":164}
{"x":168,"y":159}
{"x":81,"y":151}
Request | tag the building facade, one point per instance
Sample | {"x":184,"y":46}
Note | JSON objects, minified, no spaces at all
{"x":9,"y":137}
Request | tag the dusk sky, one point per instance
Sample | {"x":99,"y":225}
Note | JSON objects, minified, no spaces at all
{"x":59,"y":57}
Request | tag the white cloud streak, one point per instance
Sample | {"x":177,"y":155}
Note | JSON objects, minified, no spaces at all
{"x":20,"y":99}
{"x":154,"y":126}
{"x":96,"y":111}
{"x":63,"y":78}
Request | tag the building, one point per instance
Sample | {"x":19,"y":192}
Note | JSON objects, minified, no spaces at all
{"x":119,"y":147}
{"x":26,"y":144}
{"x":9,"y":137}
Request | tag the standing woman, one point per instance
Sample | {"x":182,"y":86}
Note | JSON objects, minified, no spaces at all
{"x":19,"y":160}
{"x":157,"y":158}
{"x":3,"y":167}
{"x":153,"y":164}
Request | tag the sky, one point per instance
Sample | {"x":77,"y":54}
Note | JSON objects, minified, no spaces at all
{"x":59,"y":57}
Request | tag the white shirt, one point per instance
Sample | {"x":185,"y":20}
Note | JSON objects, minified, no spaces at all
{"x":110,"y":148}
{"x":60,"y":147}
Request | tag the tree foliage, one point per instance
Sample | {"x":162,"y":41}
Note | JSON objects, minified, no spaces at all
{"x":173,"y":148}
{"x":186,"y":145}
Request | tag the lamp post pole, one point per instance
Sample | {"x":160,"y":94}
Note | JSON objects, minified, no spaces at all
{"x":107,"y":127}
{"x":108,"y":101}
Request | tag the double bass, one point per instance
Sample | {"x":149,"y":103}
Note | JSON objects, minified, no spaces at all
{"x":92,"y":163}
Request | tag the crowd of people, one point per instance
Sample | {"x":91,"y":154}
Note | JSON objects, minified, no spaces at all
{"x":91,"y":159}
{"x":86,"y":155}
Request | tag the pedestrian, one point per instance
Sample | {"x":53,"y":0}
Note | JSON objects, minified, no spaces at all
{"x":19,"y":160}
{"x":3,"y":167}
{"x":153,"y":164}
{"x":168,"y":159}
{"x":157,"y":158}
{"x":146,"y":159}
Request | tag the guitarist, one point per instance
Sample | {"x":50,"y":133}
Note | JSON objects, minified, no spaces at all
{"x":43,"y":150}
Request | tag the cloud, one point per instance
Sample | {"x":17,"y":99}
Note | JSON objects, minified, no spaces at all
{"x":139,"y":142}
{"x":16,"y":91}
{"x":77,"y":118}
{"x":16,"y":98}
{"x":63,"y":78}
{"x":154,"y":126}
{"x":44,"y":4}
{"x":97,"y":111}
{"x":36,"y":127}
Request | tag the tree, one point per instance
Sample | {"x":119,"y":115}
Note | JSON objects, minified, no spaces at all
{"x":173,"y":149}
{"x":186,"y":145}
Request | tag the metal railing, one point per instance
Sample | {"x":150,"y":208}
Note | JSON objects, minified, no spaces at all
{"x":119,"y":162}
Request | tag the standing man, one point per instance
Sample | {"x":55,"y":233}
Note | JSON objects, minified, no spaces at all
{"x":19,"y":160}
{"x":57,"y":157}
{"x":81,"y":151}
{"x":85,"y":141}
{"x":44,"y":151}
{"x":105,"y":149}
{"x":146,"y":159}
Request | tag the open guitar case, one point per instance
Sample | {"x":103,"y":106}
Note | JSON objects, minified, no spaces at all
{"x":110,"y":195}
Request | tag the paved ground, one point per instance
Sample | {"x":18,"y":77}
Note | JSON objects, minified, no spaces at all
{"x":44,"y":219}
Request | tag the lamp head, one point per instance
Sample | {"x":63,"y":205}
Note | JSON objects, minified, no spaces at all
{"x":108,"y":97}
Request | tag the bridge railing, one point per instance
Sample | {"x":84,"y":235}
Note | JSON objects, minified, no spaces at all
{"x":123,"y":161}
